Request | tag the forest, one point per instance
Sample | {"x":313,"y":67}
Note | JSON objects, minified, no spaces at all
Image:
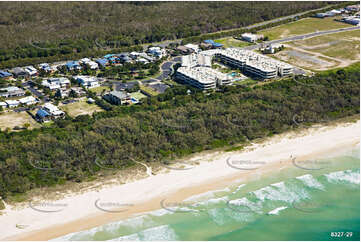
{"x":169,"y":126}
{"x":34,"y":32}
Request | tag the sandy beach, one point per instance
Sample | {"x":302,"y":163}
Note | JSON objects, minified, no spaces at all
{"x":216,"y":170}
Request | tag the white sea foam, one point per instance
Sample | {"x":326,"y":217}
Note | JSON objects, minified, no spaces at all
{"x":238,"y":188}
{"x":348,"y":176}
{"x":206,"y":195}
{"x":281,"y":192}
{"x":310,"y":181}
{"x":256,"y":207}
{"x":160,"y":212}
{"x":276,"y":210}
{"x":131,"y":237}
{"x":164,"y":232}
{"x":217,"y":215}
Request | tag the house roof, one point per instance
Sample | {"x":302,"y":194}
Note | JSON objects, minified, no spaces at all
{"x":118,"y":94}
{"x":5,"y":74}
{"x":42,"y":113}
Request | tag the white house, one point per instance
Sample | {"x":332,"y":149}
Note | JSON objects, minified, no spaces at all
{"x":12,"y":103}
{"x":87,"y":81}
{"x":193,"y":47}
{"x":157,"y":51}
{"x":30,"y":70}
{"x":53,"y":110}
{"x":249,"y":37}
{"x":28,"y":100}
{"x":56,"y":83}
{"x":3,"y":104}
{"x":92,"y":64}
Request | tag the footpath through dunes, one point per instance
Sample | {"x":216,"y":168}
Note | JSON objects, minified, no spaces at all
{"x":213,"y":172}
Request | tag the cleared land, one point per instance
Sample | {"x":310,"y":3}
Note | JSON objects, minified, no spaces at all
{"x":303,"y":26}
{"x":80,"y":108}
{"x":323,"y":52}
{"x":229,"y":42}
{"x":13,"y":119}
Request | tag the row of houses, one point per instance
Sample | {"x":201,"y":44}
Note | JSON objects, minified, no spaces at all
{"x":29,"y":100}
{"x":334,"y":12}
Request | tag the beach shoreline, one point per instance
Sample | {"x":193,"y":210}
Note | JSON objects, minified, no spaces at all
{"x":82,"y":212}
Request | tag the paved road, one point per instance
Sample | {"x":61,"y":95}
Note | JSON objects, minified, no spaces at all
{"x":282,"y":18}
{"x":301,"y":37}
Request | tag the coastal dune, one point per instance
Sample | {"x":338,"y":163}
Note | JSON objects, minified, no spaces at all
{"x":216,"y":170}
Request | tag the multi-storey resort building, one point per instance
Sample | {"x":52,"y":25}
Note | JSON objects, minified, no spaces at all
{"x":196,"y":69}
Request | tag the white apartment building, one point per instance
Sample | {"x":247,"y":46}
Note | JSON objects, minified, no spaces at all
{"x":195,"y":60}
{"x":202,"y":77}
{"x":252,"y":62}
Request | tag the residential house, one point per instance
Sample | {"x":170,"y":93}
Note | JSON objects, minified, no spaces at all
{"x":157,"y":52}
{"x":73,"y":65}
{"x":56,"y":83}
{"x":29,"y":100}
{"x":5,"y":75}
{"x":87,"y":81}
{"x":53,"y":110}
{"x":3,"y":104}
{"x":31,"y":70}
{"x":12,"y":103}
{"x":195,"y":48}
{"x":19,"y":72}
{"x":43,"y":116}
{"x":118,"y":97}
{"x":184,"y":50}
{"x":214,"y":44}
{"x":11,"y":92}
{"x":102,"y":62}
{"x":92,"y":64}
{"x":46,"y":67}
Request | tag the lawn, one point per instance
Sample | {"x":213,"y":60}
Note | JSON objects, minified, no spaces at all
{"x":231,"y":42}
{"x":12,"y":119}
{"x":138,"y":95}
{"x":303,"y":26}
{"x":80,"y":108}
{"x":345,"y":45}
{"x":98,"y":90}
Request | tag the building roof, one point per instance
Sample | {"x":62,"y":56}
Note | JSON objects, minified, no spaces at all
{"x":118,"y":94}
{"x":102,"y":62}
{"x":42,"y":113}
{"x":27,"y":99}
{"x":5,"y":74}
{"x":12,"y":102}
{"x":71,"y":64}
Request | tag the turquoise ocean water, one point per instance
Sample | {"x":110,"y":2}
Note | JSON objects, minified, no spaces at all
{"x":303,"y":202}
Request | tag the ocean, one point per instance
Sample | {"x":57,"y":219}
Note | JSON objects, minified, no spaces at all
{"x":319,"y":200}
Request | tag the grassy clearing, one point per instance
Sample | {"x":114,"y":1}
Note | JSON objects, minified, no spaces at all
{"x":12,"y":119}
{"x":229,"y":42}
{"x":303,"y":26}
{"x":99,"y":90}
{"x":345,"y":45}
{"x":148,"y":90}
{"x":80,"y":108}
{"x":138,"y":95}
